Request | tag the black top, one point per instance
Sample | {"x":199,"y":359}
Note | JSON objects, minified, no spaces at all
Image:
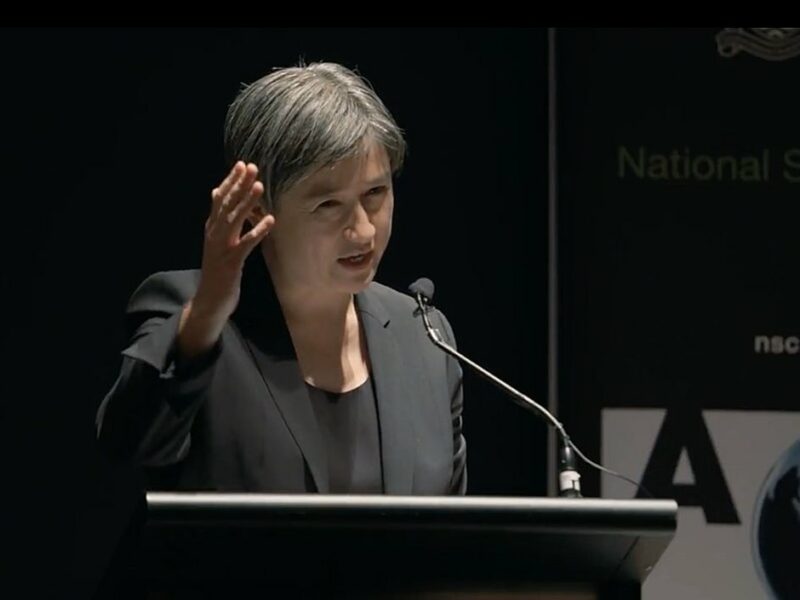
{"x":348,"y":423}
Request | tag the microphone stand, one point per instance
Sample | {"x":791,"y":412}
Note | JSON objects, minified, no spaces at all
{"x":568,"y":476}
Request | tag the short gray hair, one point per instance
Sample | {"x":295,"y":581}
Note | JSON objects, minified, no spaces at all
{"x":298,"y":119}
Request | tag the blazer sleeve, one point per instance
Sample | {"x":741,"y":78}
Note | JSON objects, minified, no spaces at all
{"x":458,"y":482}
{"x":147,"y":416}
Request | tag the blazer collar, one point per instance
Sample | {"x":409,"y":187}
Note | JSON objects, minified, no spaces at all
{"x":261,"y":322}
{"x":394,"y":389}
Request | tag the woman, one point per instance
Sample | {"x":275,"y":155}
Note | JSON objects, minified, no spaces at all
{"x":280,"y":365}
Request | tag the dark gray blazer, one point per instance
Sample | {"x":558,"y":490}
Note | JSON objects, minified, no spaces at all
{"x":241,"y":419}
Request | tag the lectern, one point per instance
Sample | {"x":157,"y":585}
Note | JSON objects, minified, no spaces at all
{"x":317,"y":546}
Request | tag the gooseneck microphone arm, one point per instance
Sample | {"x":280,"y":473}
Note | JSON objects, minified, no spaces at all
{"x":569,"y":478}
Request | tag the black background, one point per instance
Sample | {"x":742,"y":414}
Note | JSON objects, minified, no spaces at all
{"x":665,"y":284}
{"x":112,"y":140}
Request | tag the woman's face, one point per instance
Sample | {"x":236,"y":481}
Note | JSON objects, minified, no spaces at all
{"x":332,"y":228}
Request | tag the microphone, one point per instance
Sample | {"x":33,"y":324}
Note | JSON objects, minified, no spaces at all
{"x":423,"y":286}
{"x":568,"y":477}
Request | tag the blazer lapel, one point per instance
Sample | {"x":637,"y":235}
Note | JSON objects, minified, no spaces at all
{"x":262,"y":325}
{"x":394,"y":390}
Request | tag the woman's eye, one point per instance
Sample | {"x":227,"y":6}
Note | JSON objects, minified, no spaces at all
{"x":328,"y":204}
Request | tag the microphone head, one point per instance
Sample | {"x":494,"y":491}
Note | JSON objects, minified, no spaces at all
{"x":423,"y":286}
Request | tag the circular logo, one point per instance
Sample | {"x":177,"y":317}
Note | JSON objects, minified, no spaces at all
{"x":776,"y":527}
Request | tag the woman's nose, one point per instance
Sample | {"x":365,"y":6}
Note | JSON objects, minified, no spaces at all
{"x":360,"y":229}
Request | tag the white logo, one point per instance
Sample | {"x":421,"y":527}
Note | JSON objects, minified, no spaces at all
{"x":777,"y":344}
{"x":769,"y":43}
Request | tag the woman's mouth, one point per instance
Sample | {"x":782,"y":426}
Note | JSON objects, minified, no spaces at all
{"x":356,"y":261}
